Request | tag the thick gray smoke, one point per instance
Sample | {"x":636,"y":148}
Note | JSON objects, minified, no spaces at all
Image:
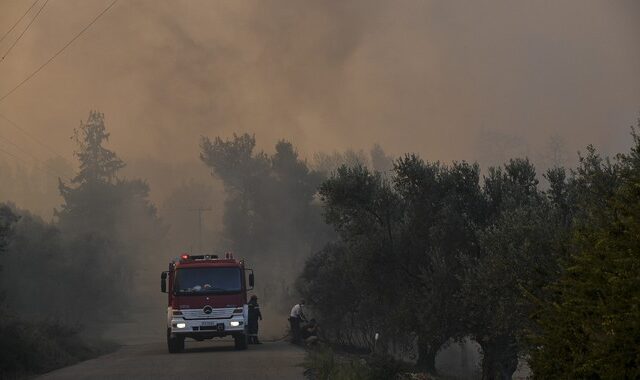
{"x":419,"y":76}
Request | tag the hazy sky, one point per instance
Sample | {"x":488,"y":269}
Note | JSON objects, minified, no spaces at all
{"x":421,"y":76}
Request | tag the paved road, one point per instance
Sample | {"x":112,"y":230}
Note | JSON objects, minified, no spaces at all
{"x":214,"y":359}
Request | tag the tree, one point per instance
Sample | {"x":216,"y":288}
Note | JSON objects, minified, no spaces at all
{"x":270,"y":213}
{"x":590,"y":329}
{"x":443,"y":206}
{"x":91,"y":191}
{"x":36,"y":255}
{"x":364,"y":210}
{"x":109,"y":224}
{"x":405,"y":238}
{"x":517,"y":261}
{"x":327,"y":283}
{"x":519,"y":248}
{"x":97,"y":163}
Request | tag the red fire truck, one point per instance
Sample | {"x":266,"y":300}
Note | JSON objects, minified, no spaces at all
{"x":207,"y":299}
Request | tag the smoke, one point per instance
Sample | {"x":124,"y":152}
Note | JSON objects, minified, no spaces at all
{"x":419,"y":76}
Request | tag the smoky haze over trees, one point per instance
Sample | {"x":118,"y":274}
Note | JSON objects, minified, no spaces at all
{"x":85,"y":265}
{"x":109,"y":218}
{"x":269,"y":214}
{"x":417,"y":76}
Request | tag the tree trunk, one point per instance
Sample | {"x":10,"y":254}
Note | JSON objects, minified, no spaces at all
{"x":499,"y":358}
{"x":427,"y":351}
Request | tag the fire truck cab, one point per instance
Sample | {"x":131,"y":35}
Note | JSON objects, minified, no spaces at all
{"x":207,"y":298}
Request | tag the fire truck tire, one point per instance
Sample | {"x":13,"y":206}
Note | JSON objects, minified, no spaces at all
{"x":175,"y":344}
{"x":240,"y":341}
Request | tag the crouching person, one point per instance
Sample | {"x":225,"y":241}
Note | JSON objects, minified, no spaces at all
{"x":309,"y":332}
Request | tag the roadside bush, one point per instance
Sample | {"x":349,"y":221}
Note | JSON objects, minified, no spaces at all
{"x":325,"y":364}
{"x":384,"y":367}
{"x":28,"y":348}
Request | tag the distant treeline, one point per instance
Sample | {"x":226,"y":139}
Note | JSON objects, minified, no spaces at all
{"x":432,"y":252}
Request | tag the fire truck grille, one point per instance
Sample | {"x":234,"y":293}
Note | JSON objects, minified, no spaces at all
{"x":225,"y":313}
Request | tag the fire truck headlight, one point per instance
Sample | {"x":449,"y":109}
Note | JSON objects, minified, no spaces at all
{"x":234,"y":323}
{"x":181,"y":325}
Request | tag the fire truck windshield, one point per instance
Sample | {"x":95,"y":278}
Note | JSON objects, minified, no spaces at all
{"x":207,"y":280}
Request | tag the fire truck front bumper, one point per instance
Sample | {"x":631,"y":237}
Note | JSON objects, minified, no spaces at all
{"x":207,"y":327}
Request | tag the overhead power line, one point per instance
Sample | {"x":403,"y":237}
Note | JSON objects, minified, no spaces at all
{"x":32,"y":137}
{"x":24,"y":31}
{"x":33,"y":157}
{"x":26,"y":163}
{"x":17,"y":22}
{"x":59,"y":51}
{"x":6,"y":140}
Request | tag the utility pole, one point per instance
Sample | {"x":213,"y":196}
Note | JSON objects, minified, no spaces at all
{"x":200,"y":210}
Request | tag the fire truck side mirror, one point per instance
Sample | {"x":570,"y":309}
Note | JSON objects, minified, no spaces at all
{"x":252,"y":280}
{"x":163,"y":282}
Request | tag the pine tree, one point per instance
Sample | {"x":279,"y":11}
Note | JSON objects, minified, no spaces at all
{"x":92,"y":191}
{"x":97,"y":163}
{"x":110,"y":225}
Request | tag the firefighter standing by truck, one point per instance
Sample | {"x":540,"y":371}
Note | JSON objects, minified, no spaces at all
{"x":254,"y":315}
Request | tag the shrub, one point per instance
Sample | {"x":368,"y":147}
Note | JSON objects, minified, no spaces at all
{"x":324,"y":364}
{"x":37,"y":347}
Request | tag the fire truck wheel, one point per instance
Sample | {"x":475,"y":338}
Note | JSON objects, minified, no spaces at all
{"x":175,"y":344}
{"x":240,"y":341}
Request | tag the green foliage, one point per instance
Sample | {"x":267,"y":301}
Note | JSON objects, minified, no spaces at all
{"x":35,"y":257}
{"x":28,"y":348}
{"x":327,"y":283}
{"x":432,"y":253}
{"x":325,"y":364}
{"x":519,"y":248}
{"x":363,"y":209}
{"x":402,"y":241}
{"x":591,"y":328}
{"x":384,"y":367}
